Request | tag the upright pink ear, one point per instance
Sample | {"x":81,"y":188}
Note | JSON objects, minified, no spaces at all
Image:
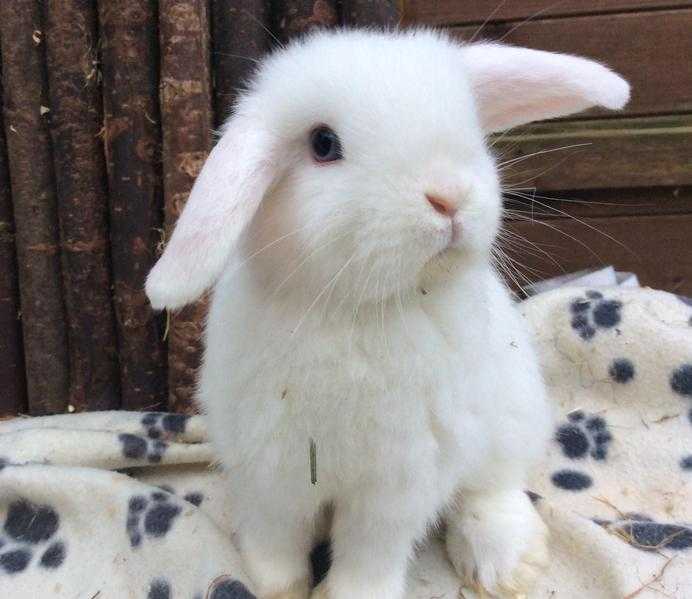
{"x":223,"y":200}
{"x":513,"y":86}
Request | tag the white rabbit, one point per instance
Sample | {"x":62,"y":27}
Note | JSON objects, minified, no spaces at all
{"x":345,"y":219}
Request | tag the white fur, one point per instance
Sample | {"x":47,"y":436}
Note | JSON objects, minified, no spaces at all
{"x":348,"y":315}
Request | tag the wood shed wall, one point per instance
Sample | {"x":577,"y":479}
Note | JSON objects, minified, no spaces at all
{"x":108,"y":108}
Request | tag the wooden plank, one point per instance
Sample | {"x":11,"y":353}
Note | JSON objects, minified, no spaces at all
{"x":650,"y":50}
{"x":643,"y":201}
{"x":656,"y":248}
{"x":455,"y":12}
{"x":621,"y":153}
{"x":12,"y":382}
{"x":33,"y":196}
{"x":186,"y":118}
{"x":370,"y":13}
{"x":80,"y":174}
{"x":133,"y":153}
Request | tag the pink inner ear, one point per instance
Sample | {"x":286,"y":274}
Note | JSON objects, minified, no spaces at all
{"x":513,"y":86}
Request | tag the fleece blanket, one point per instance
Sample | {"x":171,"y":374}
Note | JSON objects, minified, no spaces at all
{"x":132,"y":505}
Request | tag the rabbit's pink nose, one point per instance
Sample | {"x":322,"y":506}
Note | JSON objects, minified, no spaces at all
{"x":442,"y":205}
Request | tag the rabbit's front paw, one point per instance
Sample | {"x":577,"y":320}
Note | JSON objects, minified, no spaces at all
{"x":498,"y":542}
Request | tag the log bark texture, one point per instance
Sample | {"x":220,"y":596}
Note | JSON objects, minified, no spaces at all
{"x":12,"y":382}
{"x":239,"y":39}
{"x":33,"y":191}
{"x":186,"y":116}
{"x":129,"y":39}
{"x":76,"y":120}
{"x":295,"y":17}
{"x":370,"y":13}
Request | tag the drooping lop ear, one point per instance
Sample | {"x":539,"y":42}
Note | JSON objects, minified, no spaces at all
{"x":513,"y":86}
{"x":222,"y":202}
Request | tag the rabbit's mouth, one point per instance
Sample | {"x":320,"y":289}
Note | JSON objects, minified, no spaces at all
{"x":455,"y":234}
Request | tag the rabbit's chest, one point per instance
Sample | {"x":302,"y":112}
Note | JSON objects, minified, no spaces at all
{"x":376,"y":403}
{"x":374,"y":409}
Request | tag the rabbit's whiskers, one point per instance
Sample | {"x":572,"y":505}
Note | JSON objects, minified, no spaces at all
{"x":507,"y":163}
{"x":333,"y":281}
{"x":304,"y":261}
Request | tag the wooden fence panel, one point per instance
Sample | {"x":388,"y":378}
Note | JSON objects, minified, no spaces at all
{"x":635,"y":201}
{"x":34,"y":201}
{"x":12,"y":381}
{"x":656,"y":248}
{"x":133,"y":153}
{"x":455,"y":12}
{"x":76,"y":121}
{"x":600,"y":154}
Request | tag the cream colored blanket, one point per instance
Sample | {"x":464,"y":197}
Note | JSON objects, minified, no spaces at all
{"x":127,"y":505}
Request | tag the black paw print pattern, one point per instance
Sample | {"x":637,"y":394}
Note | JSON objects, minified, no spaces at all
{"x":571,"y":480}
{"x":681,"y":384}
{"x":194,"y":497}
{"x":30,"y":529}
{"x":681,"y":381}
{"x":644,"y":533}
{"x":159,"y":588}
{"x":150,"y":516}
{"x":222,"y":588}
{"x":584,"y":435}
{"x":159,"y":425}
{"x":594,"y":312}
{"x":621,"y":370}
{"x":230,"y":588}
{"x":137,"y":447}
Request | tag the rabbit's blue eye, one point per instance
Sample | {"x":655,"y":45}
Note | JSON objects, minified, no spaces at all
{"x":325,"y":144}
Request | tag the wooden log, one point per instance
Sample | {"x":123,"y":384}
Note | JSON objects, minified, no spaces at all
{"x":454,"y":12}
{"x":76,"y":120}
{"x":292,"y":18}
{"x":33,"y":193}
{"x":240,"y":34}
{"x":186,"y":117}
{"x":12,"y":382}
{"x":656,"y":248}
{"x":132,"y":146}
{"x":661,"y":80}
{"x":370,"y":13}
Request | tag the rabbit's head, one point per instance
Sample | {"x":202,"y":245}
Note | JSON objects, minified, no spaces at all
{"x":358,"y":160}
